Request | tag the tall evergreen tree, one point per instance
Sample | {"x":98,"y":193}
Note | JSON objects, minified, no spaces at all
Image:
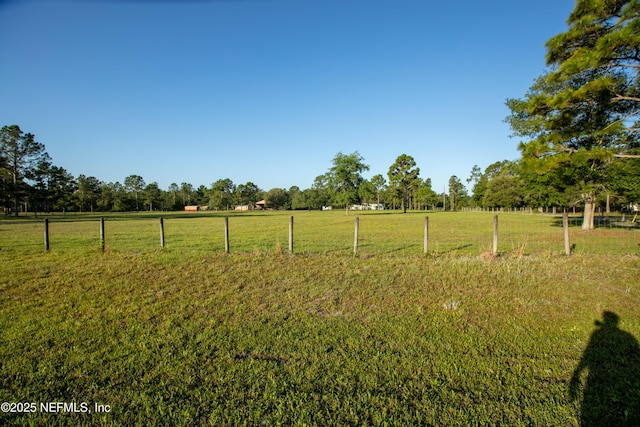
{"x":585,"y":111}
{"x":134,"y":184}
{"x":402,"y":174}
{"x":21,"y":154}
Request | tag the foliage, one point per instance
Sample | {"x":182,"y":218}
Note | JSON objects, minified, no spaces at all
{"x":20,"y":154}
{"x":277,"y":198}
{"x":379,"y":184}
{"x":402,"y":174}
{"x":221,"y":194}
{"x":424,"y":194}
{"x":345,"y":178}
{"x":134,"y":184}
{"x":88,"y":191}
{"x":584,"y":112}
{"x":457,"y":193}
{"x":504,"y":191}
{"x":248,"y":194}
{"x":152,"y":196}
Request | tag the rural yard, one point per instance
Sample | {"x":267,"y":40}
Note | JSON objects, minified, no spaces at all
{"x":190,"y":335}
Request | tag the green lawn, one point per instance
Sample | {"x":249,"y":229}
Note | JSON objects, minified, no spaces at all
{"x":189,"y":335}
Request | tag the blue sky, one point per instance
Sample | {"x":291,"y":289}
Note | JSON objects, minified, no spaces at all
{"x":268,"y":91}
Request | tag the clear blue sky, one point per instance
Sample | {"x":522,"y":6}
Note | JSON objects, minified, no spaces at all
{"x":268,"y":91}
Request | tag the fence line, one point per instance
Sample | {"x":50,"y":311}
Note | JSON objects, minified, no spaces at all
{"x":402,"y":236}
{"x":442,"y":233}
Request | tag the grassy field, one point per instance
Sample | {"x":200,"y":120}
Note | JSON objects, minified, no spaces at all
{"x":188,"y":335}
{"x":380,"y":233}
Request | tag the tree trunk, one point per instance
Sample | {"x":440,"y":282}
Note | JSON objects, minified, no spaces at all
{"x":589,"y":212}
{"x":404,"y":200}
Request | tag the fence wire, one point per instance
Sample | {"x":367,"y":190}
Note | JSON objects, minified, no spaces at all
{"x":379,"y":233}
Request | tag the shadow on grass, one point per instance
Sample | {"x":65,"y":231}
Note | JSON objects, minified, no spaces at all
{"x":611,"y":393}
{"x":453,"y":249}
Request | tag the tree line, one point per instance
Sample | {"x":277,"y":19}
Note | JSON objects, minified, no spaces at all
{"x":579,"y":126}
{"x":30,"y":182}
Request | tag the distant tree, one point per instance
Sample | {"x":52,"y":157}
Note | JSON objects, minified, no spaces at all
{"x":152,"y":195}
{"x":38,"y":191}
{"x":134,"y":184}
{"x":112,"y":197}
{"x":300,"y":200}
{"x":61,"y":186}
{"x":425,"y":194}
{"x":379,"y":183}
{"x":277,"y":198}
{"x":186,"y":190}
{"x":20,"y":153}
{"x":5,"y":180}
{"x":402,"y":175}
{"x":248,"y":194}
{"x":503,"y":191}
{"x":478,"y":182}
{"x":172,"y":197}
{"x":345,"y":178}
{"x":322,"y":191}
{"x":317,"y":197}
{"x":202,"y":196}
{"x":88,"y":191}
{"x":291,"y":193}
{"x":457,"y":193}
{"x":480,"y":179}
{"x":625,"y":183}
{"x":221,"y":194}
{"x":367,"y":192}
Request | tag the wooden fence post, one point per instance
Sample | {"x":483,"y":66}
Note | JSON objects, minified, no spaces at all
{"x":495,"y":235}
{"x":46,"y":234}
{"x":226,"y":234}
{"x":291,"y":235}
{"x":102,"y":234}
{"x":565,"y":227}
{"x":426,"y":234}
{"x":355,"y":237}
{"x":161,"y":232}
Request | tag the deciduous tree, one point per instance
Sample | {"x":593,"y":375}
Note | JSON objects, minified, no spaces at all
{"x":277,"y":198}
{"x":221,"y":194}
{"x":345,"y":177}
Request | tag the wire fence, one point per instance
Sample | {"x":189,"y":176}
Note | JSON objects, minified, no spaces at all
{"x":378,"y":233}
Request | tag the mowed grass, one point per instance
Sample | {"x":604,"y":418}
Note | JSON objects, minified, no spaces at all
{"x":188,"y":335}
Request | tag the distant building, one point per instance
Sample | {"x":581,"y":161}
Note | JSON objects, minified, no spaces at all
{"x":368,"y":207}
{"x":195,"y":208}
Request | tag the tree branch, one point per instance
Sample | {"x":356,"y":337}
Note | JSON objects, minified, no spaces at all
{"x":627,"y":156}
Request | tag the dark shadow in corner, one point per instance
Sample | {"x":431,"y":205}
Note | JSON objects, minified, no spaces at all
{"x":611,"y":394}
